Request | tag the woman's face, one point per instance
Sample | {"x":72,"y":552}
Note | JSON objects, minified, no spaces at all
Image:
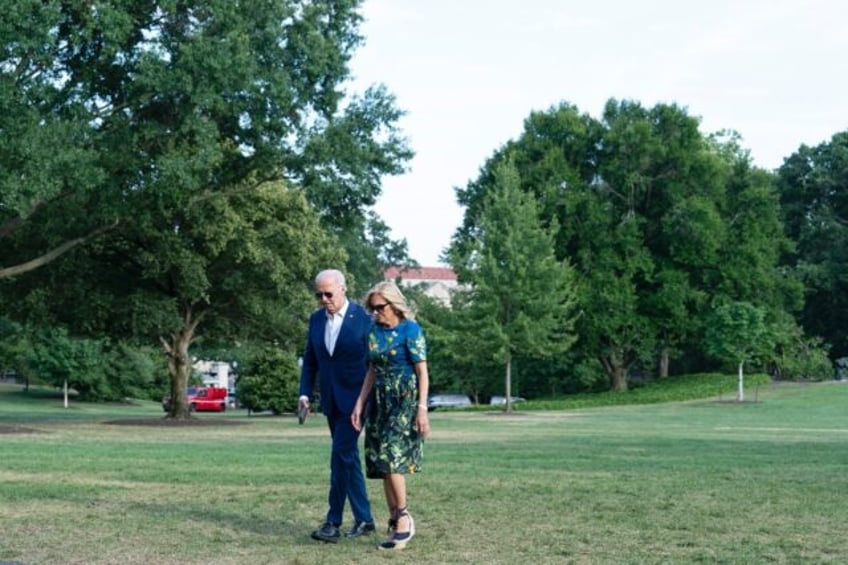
{"x":383,"y":311}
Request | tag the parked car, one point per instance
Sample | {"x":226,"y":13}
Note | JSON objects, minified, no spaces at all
{"x":202,"y":399}
{"x":501,"y":400}
{"x":447,"y":401}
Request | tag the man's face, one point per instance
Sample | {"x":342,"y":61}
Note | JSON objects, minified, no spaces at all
{"x":330,"y":294}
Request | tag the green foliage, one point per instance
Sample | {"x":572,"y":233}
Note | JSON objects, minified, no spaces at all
{"x":660,"y":222}
{"x":799,"y":357}
{"x":135,"y":371}
{"x":523,"y":298}
{"x":680,"y":388}
{"x":96,"y":369}
{"x":589,"y":375}
{"x":166,"y":128}
{"x":129,"y":109}
{"x":737,"y":333}
{"x":58,"y":359}
{"x":11,"y":343}
{"x":814,"y":199}
{"x":455,"y":340}
{"x":233,"y":268}
{"x":269,"y":380}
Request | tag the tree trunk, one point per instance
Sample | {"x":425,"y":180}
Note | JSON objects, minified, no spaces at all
{"x":508,"y":384}
{"x":619,"y":378}
{"x":664,"y":361}
{"x":179,"y":366}
{"x":65,"y":392}
{"x":616,"y":371}
{"x":740,"y":393}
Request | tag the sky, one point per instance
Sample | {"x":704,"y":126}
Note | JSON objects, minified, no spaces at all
{"x":468,"y":72}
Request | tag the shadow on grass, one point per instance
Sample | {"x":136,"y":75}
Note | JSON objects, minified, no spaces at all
{"x":284,"y":530}
{"x":175,"y":422}
{"x":6,"y":429}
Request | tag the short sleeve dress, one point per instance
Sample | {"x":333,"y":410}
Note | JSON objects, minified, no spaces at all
{"x":392,"y":441}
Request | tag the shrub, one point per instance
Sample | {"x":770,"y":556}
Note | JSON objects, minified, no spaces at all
{"x":269,"y":380}
{"x":803,"y":359}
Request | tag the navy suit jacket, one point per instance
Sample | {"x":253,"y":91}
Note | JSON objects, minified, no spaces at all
{"x":340,"y":375}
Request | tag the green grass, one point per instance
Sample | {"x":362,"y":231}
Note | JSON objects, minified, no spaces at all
{"x":675,"y":389}
{"x":704,"y":481}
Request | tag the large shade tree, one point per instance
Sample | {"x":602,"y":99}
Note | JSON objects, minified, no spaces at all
{"x":159,"y":121}
{"x":108,"y":106}
{"x":227,"y":270}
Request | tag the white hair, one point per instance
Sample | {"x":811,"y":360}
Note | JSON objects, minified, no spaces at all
{"x":334,"y":273}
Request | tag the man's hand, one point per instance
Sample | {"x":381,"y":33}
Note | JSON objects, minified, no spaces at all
{"x":302,"y":409}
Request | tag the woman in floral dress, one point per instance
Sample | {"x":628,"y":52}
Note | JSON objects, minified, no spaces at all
{"x":397,"y":418}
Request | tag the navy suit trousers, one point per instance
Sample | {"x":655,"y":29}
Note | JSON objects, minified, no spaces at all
{"x":346,"y":478}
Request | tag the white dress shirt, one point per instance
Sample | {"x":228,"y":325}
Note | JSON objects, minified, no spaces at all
{"x":334,"y":326}
{"x":331,"y":334}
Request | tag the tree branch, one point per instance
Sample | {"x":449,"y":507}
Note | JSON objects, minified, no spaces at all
{"x":53,"y":254}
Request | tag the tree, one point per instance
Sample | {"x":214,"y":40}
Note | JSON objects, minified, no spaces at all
{"x":231,"y":268}
{"x":523,"y":297}
{"x":66,"y":362}
{"x":611,"y":260}
{"x":269,"y":380}
{"x":797,"y":356}
{"x":660,"y":222}
{"x":814,"y":200}
{"x":179,"y":117}
{"x":737,"y":333}
{"x":110,"y":106}
{"x":13,"y":348}
{"x":454,"y":339}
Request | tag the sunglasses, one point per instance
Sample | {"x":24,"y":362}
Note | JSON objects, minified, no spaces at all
{"x":379,"y":307}
{"x":320,"y":295}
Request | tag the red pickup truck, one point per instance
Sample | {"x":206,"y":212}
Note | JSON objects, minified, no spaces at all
{"x":202,"y":399}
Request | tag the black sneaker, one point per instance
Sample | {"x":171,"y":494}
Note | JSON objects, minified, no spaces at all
{"x":328,"y":533}
{"x":361,"y":529}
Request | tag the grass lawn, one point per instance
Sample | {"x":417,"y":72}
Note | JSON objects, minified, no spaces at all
{"x":709,"y":481}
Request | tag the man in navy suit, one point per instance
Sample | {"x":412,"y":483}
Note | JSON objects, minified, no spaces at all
{"x":337,"y":352}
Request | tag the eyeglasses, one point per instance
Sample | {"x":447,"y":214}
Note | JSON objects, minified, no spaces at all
{"x":379,"y":307}
{"x":320,"y":295}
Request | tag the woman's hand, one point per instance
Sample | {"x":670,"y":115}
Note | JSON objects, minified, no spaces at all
{"x":423,"y":421}
{"x":356,"y":417}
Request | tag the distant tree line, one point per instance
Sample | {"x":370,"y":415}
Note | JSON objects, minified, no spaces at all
{"x":676,"y":242}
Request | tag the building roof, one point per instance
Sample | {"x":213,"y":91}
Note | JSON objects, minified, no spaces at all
{"x":421,"y":274}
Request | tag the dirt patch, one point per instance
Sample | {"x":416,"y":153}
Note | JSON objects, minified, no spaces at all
{"x":175,"y":423}
{"x":5,"y":429}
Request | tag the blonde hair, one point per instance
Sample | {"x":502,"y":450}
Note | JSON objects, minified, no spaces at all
{"x":392,"y":294}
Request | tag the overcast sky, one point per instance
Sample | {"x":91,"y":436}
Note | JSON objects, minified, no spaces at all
{"x":468,"y":72}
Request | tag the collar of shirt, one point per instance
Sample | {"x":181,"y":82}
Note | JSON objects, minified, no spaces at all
{"x":340,"y":314}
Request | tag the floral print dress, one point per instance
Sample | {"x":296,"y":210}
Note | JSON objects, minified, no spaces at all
{"x":392,"y":441}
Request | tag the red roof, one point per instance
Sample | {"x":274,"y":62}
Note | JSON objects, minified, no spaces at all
{"x":422,"y":274}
